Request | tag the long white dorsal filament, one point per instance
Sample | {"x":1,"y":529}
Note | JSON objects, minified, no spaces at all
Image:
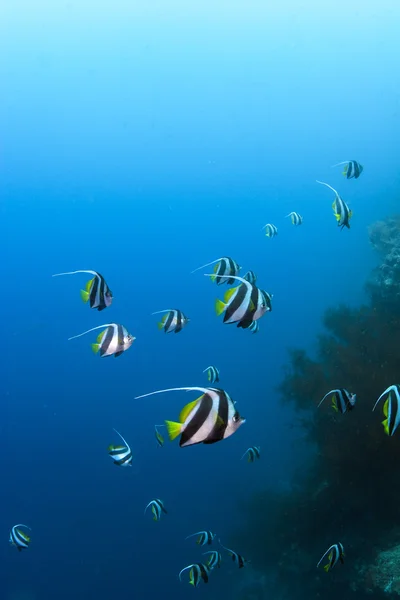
{"x":327,"y":185}
{"x":75,"y":272}
{"x":208,"y":264}
{"x":184,"y":389}
{"x":326,"y":395}
{"x":162,"y":311}
{"x":93,"y":329}
{"x":122,"y":438}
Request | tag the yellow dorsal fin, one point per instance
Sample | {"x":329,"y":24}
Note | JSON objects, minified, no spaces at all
{"x":327,"y":567}
{"x":334,"y":404}
{"x":89,"y":285}
{"x":229,"y":293}
{"x":334,"y":206}
{"x":100,"y":336}
{"x":385,"y":424}
{"x":216,"y":268}
{"x":386,"y":407}
{"x":186,"y":410}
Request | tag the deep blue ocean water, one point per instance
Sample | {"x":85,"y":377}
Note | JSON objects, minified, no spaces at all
{"x":143,"y":140}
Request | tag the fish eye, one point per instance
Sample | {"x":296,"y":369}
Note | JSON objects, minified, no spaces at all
{"x":236,"y":417}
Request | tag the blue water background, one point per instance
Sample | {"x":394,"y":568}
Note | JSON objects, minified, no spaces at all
{"x":144,"y":140}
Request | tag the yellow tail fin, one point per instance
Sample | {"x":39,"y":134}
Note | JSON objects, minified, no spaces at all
{"x":219,"y":307}
{"x":84,"y":295}
{"x":95,"y":348}
{"x":174,"y":429}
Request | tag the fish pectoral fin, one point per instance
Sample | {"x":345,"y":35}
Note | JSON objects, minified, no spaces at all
{"x":95,"y":348}
{"x":186,"y":410}
{"x":219,"y":307}
{"x":84,"y":296}
{"x":174,"y":429}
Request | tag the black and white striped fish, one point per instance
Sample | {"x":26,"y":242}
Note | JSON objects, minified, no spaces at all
{"x":210,"y":418}
{"x":96,"y":291}
{"x":295,"y":218}
{"x":251,"y":277}
{"x":252,"y":453}
{"x":204,"y":537}
{"x":334,"y":553}
{"x":121,"y":455}
{"x":254,"y":327}
{"x":342,"y":400}
{"x":214,"y":560}
{"x":212,"y":374}
{"x":114,"y":340}
{"x":262,"y":303}
{"x":242,"y":304}
{"x":197,"y":572}
{"x":391,"y":410}
{"x":352,"y":169}
{"x":239,"y":560}
{"x":340,"y":209}
{"x":157,"y":508}
{"x":174,"y":320}
{"x":225,"y":268}
{"x":270,"y":230}
{"x":159,"y":437}
{"x":19,"y":538}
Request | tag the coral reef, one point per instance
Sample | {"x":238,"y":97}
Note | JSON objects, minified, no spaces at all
{"x":350,"y":491}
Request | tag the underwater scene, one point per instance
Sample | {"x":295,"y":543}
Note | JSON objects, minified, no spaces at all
{"x":200,"y":218}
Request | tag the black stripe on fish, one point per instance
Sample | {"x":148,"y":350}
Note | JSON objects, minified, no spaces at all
{"x":205,"y":407}
{"x":93,"y":300}
{"x":178,"y":321}
{"x":236,"y":302}
{"x":111,"y":331}
{"x":218,"y":431}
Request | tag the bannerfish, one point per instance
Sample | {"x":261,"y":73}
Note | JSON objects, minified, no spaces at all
{"x":174,"y":320}
{"x":252,"y":453}
{"x":342,"y":400}
{"x":254,"y":327}
{"x":262,"y":304}
{"x":114,"y":340}
{"x":209,"y":419}
{"x":159,"y":437}
{"x":96,"y":291}
{"x":242,"y":304}
{"x":197,"y":572}
{"x":214,"y":560}
{"x":295,"y":218}
{"x":212,"y":374}
{"x":270,"y":230}
{"x":340,"y":209}
{"x":239,"y":560}
{"x":157,"y":508}
{"x":121,"y":455}
{"x":390,"y":408}
{"x":352,"y":169}
{"x":225,"y":268}
{"x":18,"y":538}
{"x":204,"y":537}
{"x":334,"y":553}
{"x":251,"y":277}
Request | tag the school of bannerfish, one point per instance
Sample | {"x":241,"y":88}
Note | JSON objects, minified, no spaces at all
{"x":213,"y":417}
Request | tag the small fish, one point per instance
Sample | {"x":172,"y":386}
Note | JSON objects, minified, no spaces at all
{"x":252,"y":453}
{"x":114,"y":340}
{"x":342,"y":400}
{"x":390,"y":408}
{"x":159,"y":437}
{"x":340,"y":209}
{"x":209,"y":419}
{"x":239,"y":560}
{"x":205,"y":537}
{"x":157,"y":507}
{"x":96,"y":291}
{"x":212,"y":374}
{"x":251,"y":277}
{"x":254,"y":327}
{"x":197,"y":572}
{"x":270,"y":230}
{"x":18,"y":538}
{"x":174,"y":320}
{"x":214,"y":560}
{"x":295,"y":218}
{"x":121,"y":455}
{"x":224,"y":270}
{"x":334,"y":553}
{"x":352,"y":169}
{"x":242,"y":304}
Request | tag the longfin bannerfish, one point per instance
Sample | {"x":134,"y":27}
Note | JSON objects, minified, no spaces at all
{"x":159,"y":437}
{"x":270,"y":230}
{"x":342,"y":400}
{"x":18,"y":538}
{"x":239,"y":560}
{"x":174,"y":320}
{"x":252,"y":453}
{"x":225,"y":268}
{"x":209,"y":419}
{"x":352,"y":169}
{"x":261,"y":303}
{"x":114,"y":340}
{"x":295,"y":218}
{"x":251,"y":277}
{"x":204,"y":537}
{"x":242,"y":304}
{"x":334,"y":553}
{"x":157,"y":507}
{"x":214,"y":560}
{"x":197,"y":572}
{"x":340,"y":209}
{"x":391,"y":410}
{"x":121,"y":455}
{"x":212,"y":374}
{"x":96,"y":291}
{"x":254,"y":327}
